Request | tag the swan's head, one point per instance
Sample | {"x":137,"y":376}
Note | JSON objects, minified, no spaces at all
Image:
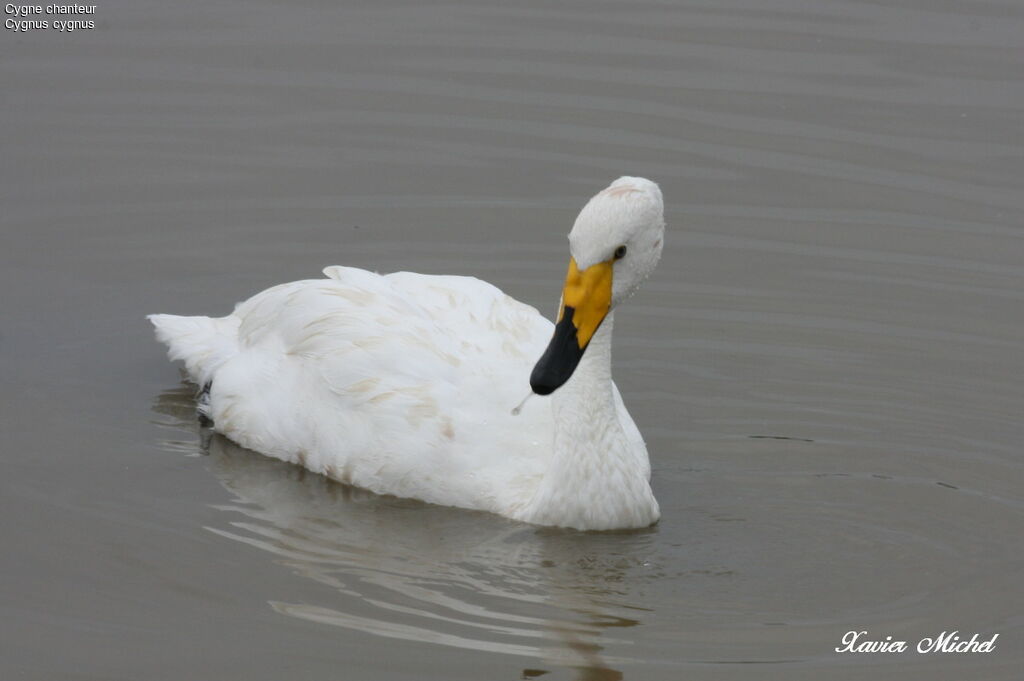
{"x":615,"y":244}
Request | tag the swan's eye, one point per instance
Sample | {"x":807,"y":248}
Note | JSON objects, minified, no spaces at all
{"x":620,"y":252}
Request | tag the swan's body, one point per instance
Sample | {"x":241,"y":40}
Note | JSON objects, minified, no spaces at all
{"x":405,"y":384}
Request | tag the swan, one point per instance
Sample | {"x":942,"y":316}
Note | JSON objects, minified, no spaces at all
{"x":405,"y":384}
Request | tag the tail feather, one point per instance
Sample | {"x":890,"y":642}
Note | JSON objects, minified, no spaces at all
{"x":204,"y":343}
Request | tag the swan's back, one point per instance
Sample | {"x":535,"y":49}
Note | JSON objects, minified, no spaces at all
{"x":401,"y":383}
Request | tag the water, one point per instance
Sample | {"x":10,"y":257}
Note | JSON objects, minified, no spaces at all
{"x":826,"y":365}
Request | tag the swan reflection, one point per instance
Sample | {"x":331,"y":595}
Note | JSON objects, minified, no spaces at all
{"x":402,"y":569}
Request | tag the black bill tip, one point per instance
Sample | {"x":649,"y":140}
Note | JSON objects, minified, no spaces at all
{"x":559,"y":360}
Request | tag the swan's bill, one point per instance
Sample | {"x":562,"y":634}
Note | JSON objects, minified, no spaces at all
{"x":586,"y":299}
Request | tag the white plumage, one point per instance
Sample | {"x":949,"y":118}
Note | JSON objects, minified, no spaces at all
{"x":405,"y":383}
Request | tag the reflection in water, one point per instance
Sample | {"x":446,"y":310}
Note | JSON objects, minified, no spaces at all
{"x":403,"y":569}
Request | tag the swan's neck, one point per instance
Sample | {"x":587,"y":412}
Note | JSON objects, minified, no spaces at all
{"x":598,"y":476}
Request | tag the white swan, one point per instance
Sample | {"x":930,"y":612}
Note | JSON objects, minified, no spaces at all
{"x":405,"y":383}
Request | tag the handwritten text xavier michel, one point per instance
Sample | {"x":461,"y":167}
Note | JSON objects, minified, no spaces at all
{"x":946,"y":642}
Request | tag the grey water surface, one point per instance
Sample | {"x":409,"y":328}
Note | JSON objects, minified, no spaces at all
{"x":826,"y":367}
